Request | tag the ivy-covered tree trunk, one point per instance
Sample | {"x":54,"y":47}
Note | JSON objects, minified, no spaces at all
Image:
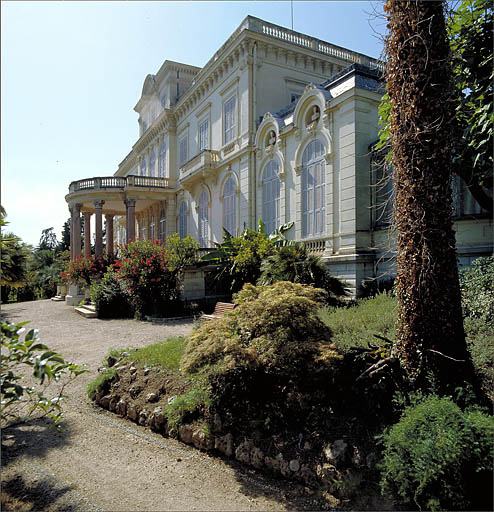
{"x":430,"y":335}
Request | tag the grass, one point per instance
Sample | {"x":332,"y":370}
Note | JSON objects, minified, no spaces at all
{"x":358,"y":324}
{"x":186,"y":405}
{"x":94,"y":387}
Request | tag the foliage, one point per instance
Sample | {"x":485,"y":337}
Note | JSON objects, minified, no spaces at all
{"x":64,"y":243}
{"x":439,"y":458}
{"x":14,"y":258}
{"x":83,"y":270}
{"x":471,"y":37}
{"x":275,"y":326}
{"x":358,"y":325}
{"x":146,"y":271}
{"x":480,"y":341}
{"x":48,"y":240}
{"x":183,"y":251}
{"x":184,"y":407}
{"x":240,"y":257}
{"x":110,"y":297}
{"x":477,"y":287}
{"x":47,"y":367}
{"x":294,"y":263}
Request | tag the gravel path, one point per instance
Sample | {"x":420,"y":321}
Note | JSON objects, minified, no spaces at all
{"x":99,"y":461}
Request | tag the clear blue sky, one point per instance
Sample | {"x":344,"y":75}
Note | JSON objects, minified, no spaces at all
{"x":73,"y":71}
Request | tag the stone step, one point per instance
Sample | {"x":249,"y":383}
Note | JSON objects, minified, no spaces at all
{"x":87,"y":311}
{"x":58,"y":298}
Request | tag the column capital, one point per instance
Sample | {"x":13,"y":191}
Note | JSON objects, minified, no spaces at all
{"x":76,"y":208}
{"x":98,"y":203}
{"x":130,"y":202}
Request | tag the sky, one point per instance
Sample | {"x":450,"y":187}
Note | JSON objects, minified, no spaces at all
{"x":72,"y":72}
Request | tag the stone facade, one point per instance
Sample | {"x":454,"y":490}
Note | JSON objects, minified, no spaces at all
{"x":277,"y":126}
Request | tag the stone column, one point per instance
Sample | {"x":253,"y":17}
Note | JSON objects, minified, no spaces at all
{"x":98,"y":246}
{"x":77,"y":230}
{"x":131,"y":220}
{"x":71,"y":210}
{"x":109,"y":235}
{"x":87,"y":234}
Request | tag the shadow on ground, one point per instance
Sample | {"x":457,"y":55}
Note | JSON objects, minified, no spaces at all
{"x":33,"y":439}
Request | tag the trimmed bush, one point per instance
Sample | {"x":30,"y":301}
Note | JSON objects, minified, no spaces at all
{"x":438,"y":457}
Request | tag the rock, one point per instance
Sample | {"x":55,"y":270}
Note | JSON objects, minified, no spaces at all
{"x":113,"y":403}
{"x":185,"y":433}
{"x":104,"y":401}
{"x":202,"y":441}
{"x":133,"y":369}
{"x":335,"y":453}
{"x":257,"y":457}
{"x":171,"y":399}
{"x":121,"y":408}
{"x":327,"y":473}
{"x":217,"y":424}
{"x":294,"y":465}
{"x":111,"y":361}
{"x":151,"y":397}
{"x":172,"y":432}
{"x":146,"y":370}
{"x":135,"y":391}
{"x":371,"y":460}
{"x":224,"y":444}
{"x":159,"y":420}
{"x":272,"y":463}
{"x":143,"y":417}
{"x":284,"y":466}
{"x":242,"y":453}
{"x":307,"y":445}
{"x":132,"y":412}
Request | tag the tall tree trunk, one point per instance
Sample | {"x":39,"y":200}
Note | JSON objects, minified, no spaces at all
{"x":430,"y":335}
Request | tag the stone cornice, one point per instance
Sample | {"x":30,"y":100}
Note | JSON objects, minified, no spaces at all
{"x":163,"y":124}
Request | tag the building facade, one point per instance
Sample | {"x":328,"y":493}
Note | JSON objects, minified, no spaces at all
{"x":277,"y":126}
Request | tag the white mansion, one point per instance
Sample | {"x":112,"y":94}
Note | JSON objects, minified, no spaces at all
{"x":277,"y":126}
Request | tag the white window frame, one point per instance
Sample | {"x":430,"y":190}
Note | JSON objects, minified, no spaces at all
{"x":203,"y":218}
{"x":183,"y":149}
{"x":152,"y":228}
{"x":152,"y":163}
{"x":162,"y":225}
{"x":313,"y":190}
{"x":229,"y":119}
{"x":143,"y":166}
{"x":182,"y":219}
{"x":203,"y":134}
{"x":162,"y":160}
{"x":271,"y":194}
{"x":230,"y":205}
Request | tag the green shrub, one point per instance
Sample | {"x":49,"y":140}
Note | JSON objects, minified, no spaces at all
{"x":273,"y":326}
{"x":183,"y":251}
{"x":438,"y":457}
{"x":477,"y":289}
{"x":357,"y":325}
{"x":165,"y":354}
{"x":480,"y":341}
{"x":111,"y":298}
{"x":294,"y":263}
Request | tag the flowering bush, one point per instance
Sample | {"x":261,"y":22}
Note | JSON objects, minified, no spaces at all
{"x":83,"y":270}
{"x":148,"y":275}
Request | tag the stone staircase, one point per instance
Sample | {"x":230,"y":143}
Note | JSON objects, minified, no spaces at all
{"x":58,"y":298}
{"x":87,"y":310}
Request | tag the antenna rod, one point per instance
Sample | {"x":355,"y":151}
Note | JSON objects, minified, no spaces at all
{"x":291,"y":5}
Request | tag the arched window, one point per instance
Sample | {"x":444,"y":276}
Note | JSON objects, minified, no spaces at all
{"x":271,"y":196}
{"x":230,"y":206}
{"x":204,"y":219}
{"x":162,"y":226}
{"x":152,"y":228}
{"x":182,"y":220}
{"x":313,"y":188}
{"x":152,"y":163}
{"x":162,"y":161}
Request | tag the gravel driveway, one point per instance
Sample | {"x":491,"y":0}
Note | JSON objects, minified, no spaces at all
{"x":98,"y":461}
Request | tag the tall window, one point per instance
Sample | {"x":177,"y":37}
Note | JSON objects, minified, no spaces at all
{"x":162,"y":160}
{"x":163,"y":101}
{"x":204,"y":135}
{"x":183,"y":150}
{"x":152,"y":228}
{"x":143,"y":166}
{"x":144,"y":231}
{"x":152,"y":163}
{"x":464,"y":204}
{"x":204,"y":219}
{"x":162,"y":226}
{"x":313,"y":187}
{"x":229,"y":119}
{"x":182,"y":220}
{"x":271,"y":196}
{"x":230,"y":206}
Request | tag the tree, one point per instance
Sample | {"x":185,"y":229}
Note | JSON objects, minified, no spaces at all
{"x":470,"y":32}
{"x":64,"y":244}
{"x":48,"y":240}
{"x":430,"y":336}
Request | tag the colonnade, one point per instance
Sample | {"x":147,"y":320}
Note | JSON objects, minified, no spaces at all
{"x":75,"y":228}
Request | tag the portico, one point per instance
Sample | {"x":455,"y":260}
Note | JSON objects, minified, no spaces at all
{"x":113,"y":197}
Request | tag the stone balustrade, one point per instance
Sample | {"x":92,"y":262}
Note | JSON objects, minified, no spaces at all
{"x":117,"y":182}
{"x":206,"y":160}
